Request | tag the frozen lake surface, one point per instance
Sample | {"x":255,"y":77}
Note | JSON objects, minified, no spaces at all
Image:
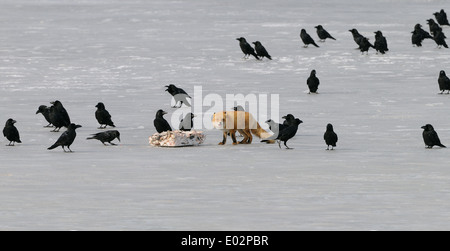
{"x":380,"y":177}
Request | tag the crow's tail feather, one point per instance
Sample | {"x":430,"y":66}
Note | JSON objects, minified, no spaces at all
{"x":53,"y":147}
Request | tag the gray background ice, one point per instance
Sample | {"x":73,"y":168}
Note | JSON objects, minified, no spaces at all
{"x":122,"y":53}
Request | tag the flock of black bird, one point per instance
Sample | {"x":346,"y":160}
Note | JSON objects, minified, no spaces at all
{"x":430,"y":136}
{"x":380,"y":44}
{"x":57,"y":116}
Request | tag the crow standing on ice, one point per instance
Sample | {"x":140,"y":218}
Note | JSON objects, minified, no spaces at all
{"x":380,"y":42}
{"x":179,"y":95}
{"x":307,"y":39}
{"x":330,"y":137}
{"x":444,"y":82}
{"x":106,"y":136}
{"x":416,"y":38}
{"x":246,"y":48}
{"x":187,"y":123}
{"x":433,"y":26}
{"x":441,"y":17}
{"x":357,"y":37}
{"x":56,"y":118}
{"x":313,"y":82}
{"x":103,"y":117}
{"x":45,"y":111}
{"x":430,"y":137}
{"x":11,"y":133}
{"x":160,"y":123}
{"x":286,"y":134}
{"x":58,"y":115}
{"x":261,"y":51}
{"x":418,"y":35}
{"x":66,"y":138}
{"x":322,"y":33}
{"x":439,"y":38}
{"x":365,"y":45}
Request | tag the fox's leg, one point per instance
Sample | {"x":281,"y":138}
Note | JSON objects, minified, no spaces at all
{"x":243,"y":133}
{"x":247,"y":136}
{"x":233,"y":136}
{"x":250,"y":137}
{"x":225,"y":133}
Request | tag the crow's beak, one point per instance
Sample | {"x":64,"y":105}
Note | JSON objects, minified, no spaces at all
{"x":78,"y":126}
{"x":14,"y":121}
{"x":37,"y":112}
{"x":164,"y":112}
{"x":423,"y":127}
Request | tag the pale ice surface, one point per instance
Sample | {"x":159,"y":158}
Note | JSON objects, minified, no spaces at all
{"x":122,"y":53}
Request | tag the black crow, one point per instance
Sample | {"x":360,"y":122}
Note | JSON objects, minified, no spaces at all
{"x":103,"y":117}
{"x":433,"y":26}
{"x":56,"y":118}
{"x":439,"y":38}
{"x":313,"y":82}
{"x":11,"y":133}
{"x":357,"y":37}
{"x":418,"y":35}
{"x":416,"y":38}
{"x":365,"y":45}
{"x":106,"y":136}
{"x":288,"y":120}
{"x":322,"y":33}
{"x":307,"y":39}
{"x":430,"y":137}
{"x":246,"y":48}
{"x":66,"y":138}
{"x":58,"y":115}
{"x":380,"y":42}
{"x":444,"y":82}
{"x":287,"y":133}
{"x":330,"y":137}
{"x":187,"y":123}
{"x":261,"y":51}
{"x":179,"y":95}
{"x":160,"y":123}
{"x":441,"y":17}
{"x":45,"y":111}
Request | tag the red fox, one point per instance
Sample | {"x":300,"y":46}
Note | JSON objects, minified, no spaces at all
{"x":243,"y":122}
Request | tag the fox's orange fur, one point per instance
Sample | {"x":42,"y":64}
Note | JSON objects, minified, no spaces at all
{"x":243,"y":122}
